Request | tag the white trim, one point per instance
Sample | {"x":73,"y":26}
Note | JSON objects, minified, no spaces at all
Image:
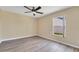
{"x":64,"y":24}
{"x":17,"y":38}
{"x":42,"y":37}
{"x":69,"y":44}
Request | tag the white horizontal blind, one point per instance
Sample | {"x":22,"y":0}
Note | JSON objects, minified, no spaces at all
{"x":59,"y":25}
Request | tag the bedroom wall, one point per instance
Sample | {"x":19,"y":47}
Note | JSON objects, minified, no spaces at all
{"x":14,"y":25}
{"x":72,"y":26}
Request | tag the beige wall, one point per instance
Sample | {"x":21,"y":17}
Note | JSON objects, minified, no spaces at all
{"x":72,"y":26}
{"x":14,"y":25}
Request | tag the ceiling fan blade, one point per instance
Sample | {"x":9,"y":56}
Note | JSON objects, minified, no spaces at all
{"x":39,"y":12}
{"x":37,"y":8}
{"x":28,"y":12}
{"x":27,"y":7}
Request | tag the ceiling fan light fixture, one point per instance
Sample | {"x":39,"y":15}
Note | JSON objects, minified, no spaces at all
{"x":34,"y":10}
{"x":34,"y":14}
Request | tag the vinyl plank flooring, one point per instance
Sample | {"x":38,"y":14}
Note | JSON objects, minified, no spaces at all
{"x":34,"y":44}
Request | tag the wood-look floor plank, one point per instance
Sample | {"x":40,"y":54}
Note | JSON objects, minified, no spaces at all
{"x":34,"y":44}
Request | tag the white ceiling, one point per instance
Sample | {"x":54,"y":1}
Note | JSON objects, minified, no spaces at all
{"x":45,"y":9}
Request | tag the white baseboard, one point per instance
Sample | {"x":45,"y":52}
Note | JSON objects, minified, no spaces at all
{"x":40,"y":36}
{"x":18,"y":38}
{"x":65,"y":43}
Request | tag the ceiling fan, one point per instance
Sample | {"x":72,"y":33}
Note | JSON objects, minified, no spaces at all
{"x":34,"y":10}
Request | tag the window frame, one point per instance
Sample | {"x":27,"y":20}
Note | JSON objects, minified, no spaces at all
{"x":64,"y":27}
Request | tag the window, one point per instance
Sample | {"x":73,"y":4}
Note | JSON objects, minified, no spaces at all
{"x":59,"y":26}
